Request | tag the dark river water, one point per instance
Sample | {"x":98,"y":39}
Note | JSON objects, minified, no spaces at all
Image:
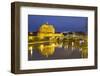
{"x":50,"y":51}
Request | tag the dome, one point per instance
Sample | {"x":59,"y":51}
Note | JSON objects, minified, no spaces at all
{"x":46,"y":28}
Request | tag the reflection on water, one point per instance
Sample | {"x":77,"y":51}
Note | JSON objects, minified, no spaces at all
{"x":57,"y":50}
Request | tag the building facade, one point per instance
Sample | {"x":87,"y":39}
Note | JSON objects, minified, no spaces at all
{"x":47,"y":30}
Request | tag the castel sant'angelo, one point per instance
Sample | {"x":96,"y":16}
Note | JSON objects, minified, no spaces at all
{"x":47,"y":30}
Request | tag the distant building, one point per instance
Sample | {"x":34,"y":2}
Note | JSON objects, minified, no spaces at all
{"x":47,"y":30}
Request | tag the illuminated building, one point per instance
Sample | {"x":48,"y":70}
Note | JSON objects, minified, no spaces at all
{"x":47,"y":30}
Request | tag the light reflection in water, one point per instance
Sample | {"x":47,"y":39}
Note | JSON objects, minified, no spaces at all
{"x":30,"y":48}
{"x":49,"y":49}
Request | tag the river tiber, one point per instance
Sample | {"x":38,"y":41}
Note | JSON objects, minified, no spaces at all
{"x":47,"y":44}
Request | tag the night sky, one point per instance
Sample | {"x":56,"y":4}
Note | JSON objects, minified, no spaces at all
{"x":61,"y":23}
